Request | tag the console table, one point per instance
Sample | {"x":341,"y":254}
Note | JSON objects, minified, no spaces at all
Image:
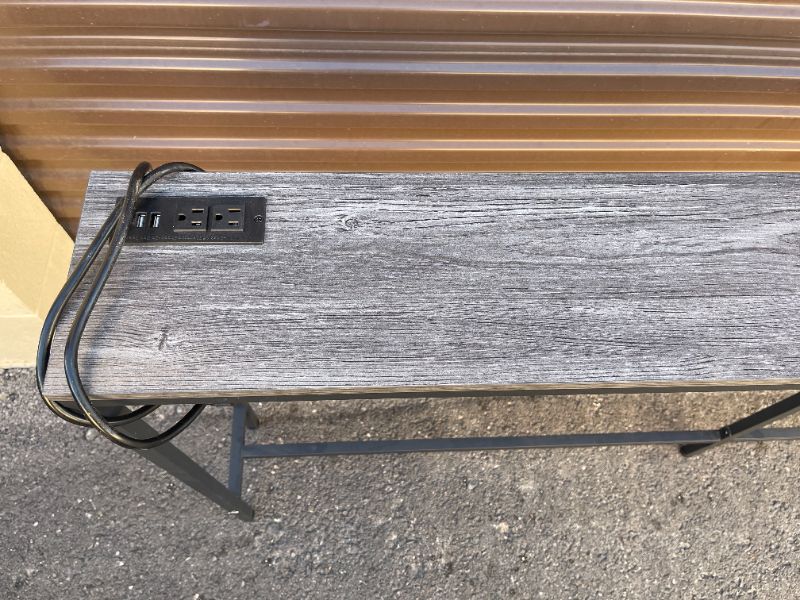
{"x":441,"y":284}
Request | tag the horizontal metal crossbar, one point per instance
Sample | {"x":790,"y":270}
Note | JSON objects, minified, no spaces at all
{"x":510,"y":442}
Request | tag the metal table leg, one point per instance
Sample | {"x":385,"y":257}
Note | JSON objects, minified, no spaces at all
{"x":179,"y":465}
{"x":243,"y":417}
{"x":235,"y":460}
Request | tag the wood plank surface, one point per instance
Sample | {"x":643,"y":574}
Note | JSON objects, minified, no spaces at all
{"x":447,"y":283}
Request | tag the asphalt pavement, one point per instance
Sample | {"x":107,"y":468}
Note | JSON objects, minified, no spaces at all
{"x":81,"y":518}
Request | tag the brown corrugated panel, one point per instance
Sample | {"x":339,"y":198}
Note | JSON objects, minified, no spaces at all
{"x":396,"y":85}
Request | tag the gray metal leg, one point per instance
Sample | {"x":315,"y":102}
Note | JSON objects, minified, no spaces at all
{"x":177,"y":464}
{"x":748,"y":424}
{"x":236,"y":462}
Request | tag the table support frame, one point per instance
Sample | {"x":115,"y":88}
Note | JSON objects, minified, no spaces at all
{"x":690,"y":442}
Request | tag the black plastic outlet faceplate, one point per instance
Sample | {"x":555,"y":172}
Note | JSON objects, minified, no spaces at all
{"x":187,"y":220}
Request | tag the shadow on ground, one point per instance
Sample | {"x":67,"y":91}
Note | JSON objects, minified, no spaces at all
{"x":81,"y":518}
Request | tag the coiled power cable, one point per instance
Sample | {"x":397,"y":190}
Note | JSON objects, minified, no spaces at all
{"x":114,"y":229}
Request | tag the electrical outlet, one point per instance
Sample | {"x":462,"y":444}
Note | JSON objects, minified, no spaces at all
{"x":227,"y":217}
{"x":198,"y":220}
{"x":190,"y":216}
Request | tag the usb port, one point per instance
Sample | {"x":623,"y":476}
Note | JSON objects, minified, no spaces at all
{"x":141,"y":218}
{"x":155,"y":220}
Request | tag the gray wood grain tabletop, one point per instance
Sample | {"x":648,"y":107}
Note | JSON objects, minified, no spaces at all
{"x":448,"y":283}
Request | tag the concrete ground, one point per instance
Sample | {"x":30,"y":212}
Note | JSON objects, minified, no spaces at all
{"x":81,"y":518}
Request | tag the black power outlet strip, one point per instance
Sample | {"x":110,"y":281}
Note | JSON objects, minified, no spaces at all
{"x":202,"y":220}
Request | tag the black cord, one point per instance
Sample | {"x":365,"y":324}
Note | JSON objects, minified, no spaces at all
{"x":115,"y":228}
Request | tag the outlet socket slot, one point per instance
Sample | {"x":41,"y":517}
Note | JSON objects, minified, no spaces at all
{"x":190,"y":215}
{"x":228,"y":217}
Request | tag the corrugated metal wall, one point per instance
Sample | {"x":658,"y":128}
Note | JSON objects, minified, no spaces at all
{"x":396,"y":85}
